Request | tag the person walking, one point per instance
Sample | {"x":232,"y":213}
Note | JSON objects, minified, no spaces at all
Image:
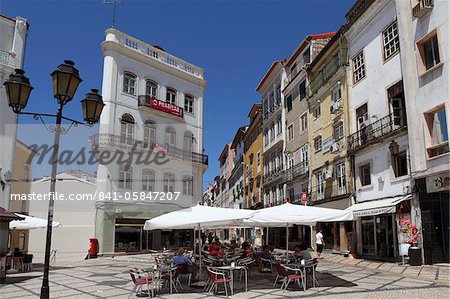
{"x":320,"y":242}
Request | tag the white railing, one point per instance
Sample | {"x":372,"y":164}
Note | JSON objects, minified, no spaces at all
{"x":156,"y":53}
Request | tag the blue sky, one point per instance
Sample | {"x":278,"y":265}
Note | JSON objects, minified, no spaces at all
{"x":234,"y":41}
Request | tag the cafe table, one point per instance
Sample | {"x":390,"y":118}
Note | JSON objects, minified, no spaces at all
{"x":231,"y":269}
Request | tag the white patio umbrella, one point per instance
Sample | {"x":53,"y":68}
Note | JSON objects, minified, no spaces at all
{"x":287,"y":214}
{"x":30,"y":222}
{"x":199,"y":217}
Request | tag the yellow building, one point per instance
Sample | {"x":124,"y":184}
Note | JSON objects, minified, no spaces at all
{"x":21,"y":184}
{"x":253,"y":160}
{"x":330,"y":175}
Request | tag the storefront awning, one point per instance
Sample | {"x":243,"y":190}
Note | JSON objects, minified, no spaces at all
{"x":377,"y":207}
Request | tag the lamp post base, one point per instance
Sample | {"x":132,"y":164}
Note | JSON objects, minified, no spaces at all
{"x":45,"y":292}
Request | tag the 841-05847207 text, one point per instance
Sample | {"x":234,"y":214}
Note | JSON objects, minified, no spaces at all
{"x":134,"y":195}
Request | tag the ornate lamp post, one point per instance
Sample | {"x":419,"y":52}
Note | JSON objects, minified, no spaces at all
{"x":65,"y":83}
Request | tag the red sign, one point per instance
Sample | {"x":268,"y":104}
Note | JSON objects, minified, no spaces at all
{"x":304,"y":198}
{"x":166,"y":107}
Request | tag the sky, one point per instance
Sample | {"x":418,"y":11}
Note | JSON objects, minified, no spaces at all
{"x":234,"y":41}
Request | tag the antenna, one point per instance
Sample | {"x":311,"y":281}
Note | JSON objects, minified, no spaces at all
{"x":114,"y":11}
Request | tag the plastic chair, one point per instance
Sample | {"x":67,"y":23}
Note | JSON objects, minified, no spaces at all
{"x":264,"y":262}
{"x":215,"y":279}
{"x":140,"y":278}
{"x":27,"y":264}
{"x":294,"y":274}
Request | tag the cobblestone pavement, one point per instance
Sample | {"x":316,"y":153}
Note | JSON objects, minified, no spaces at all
{"x":108,"y":278}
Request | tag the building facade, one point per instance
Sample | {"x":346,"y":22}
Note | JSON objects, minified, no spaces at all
{"x":226,"y":162}
{"x":378,"y":115}
{"x":154,"y":109}
{"x":424,"y":53}
{"x":236,"y":181}
{"x":273,"y":128}
{"x":253,"y":160}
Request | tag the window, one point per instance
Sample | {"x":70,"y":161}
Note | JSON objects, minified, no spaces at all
{"x":319,"y":185}
{"x":359,"y":69}
{"x":22,"y":239}
{"x":429,"y":51}
{"x":26,"y":173}
{"x":391,"y":43}
{"x":189,"y":104}
{"x":302,"y":89}
{"x":400,"y":164}
{"x":304,"y":122}
{"x":149,"y":134}
{"x":258,"y":158}
{"x":129,"y":82}
{"x":336,"y":95}
{"x":169,"y":182}
{"x":266,"y":136}
{"x":338,"y":131}
{"x":171,"y":96}
{"x":279,"y":125}
{"x":364,"y":175}
{"x":316,"y":111}
{"x":271,"y":100}
{"x":304,"y":154}
{"x":171,"y":137}
{"x":290,"y":132}
{"x":148,"y":180}
{"x":188,"y":143}
{"x":340,"y":174}
{"x":151,"y":89}
{"x":125,"y":177}
{"x":278,"y":94}
{"x":265,"y":107}
{"x":272,"y":131}
{"x":188,"y":185}
{"x":289,"y":103}
{"x":436,"y":122}
{"x":318,"y":143}
{"x":127,"y":129}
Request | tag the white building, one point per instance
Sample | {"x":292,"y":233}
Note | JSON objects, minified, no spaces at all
{"x":226,"y":164}
{"x":13,"y":34}
{"x":378,"y":115}
{"x":425,"y":54}
{"x":154,"y":105}
{"x":76,"y":214}
{"x":236,"y":196}
{"x":273,"y":127}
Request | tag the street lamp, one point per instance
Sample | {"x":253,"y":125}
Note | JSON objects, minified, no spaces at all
{"x":394,"y":147}
{"x":65,"y":83}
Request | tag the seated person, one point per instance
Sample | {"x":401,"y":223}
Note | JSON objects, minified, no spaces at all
{"x":265,"y":254}
{"x":182,"y":261}
{"x":297,"y":251}
{"x":17,"y":252}
{"x":215,"y":250}
{"x":304,"y":253}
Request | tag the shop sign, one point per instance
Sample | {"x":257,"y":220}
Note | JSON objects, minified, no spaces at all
{"x":438,"y":183}
{"x":326,"y":144}
{"x":373,"y":212}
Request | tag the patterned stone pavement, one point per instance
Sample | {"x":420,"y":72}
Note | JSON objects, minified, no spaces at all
{"x":338,"y":277}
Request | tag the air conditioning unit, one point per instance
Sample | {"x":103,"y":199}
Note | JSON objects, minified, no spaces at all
{"x":334,"y":147}
{"x":334,"y":107}
{"x":422,"y":7}
{"x":329,"y":174}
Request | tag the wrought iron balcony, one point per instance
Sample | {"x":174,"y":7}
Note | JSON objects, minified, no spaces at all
{"x":331,"y":191}
{"x":296,"y":170}
{"x":275,"y":174}
{"x":376,"y":131}
{"x":129,"y":144}
{"x":422,"y":7}
{"x":325,"y":74}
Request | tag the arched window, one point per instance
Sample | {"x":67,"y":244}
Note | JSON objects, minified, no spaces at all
{"x":129,"y":83}
{"x":188,"y":185}
{"x":171,"y":137}
{"x":189,"y":104}
{"x":188,"y":144}
{"x":149,"y":134}
{"x":169,"y":182}
{"x":171,"y":96}
{"x":151,"y":89}
{"x":148,"y":180}
{"x":125,"y":177}
{"x":127,"y":129}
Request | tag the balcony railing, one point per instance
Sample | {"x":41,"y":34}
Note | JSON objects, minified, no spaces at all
{"x":273,"y":175}
{"x":330,"y":191}
{"x":271,"y":110}
{"x":375,"y":131}
{"x":296,"y":170}
{"x":156,"y":104}
{"x":128,"y":144}
{"x":422,"y":7}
